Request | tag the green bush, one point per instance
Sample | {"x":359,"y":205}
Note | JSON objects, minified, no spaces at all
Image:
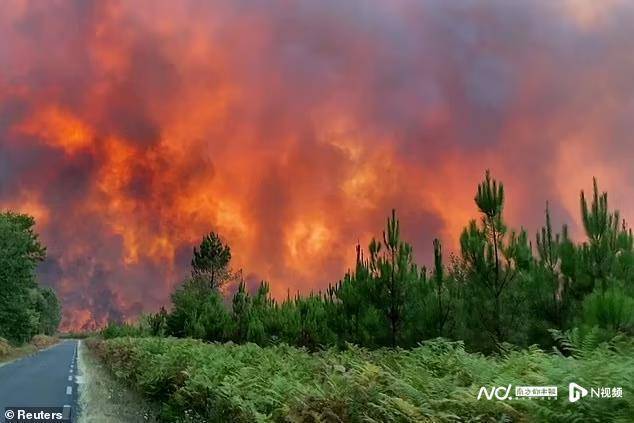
{"x":612,"y":309}
{"x":437,"y":381}
{"x":117,"y":330}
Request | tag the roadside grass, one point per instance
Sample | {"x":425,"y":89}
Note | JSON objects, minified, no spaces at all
{"x":436,"y":382}
{"x":102,"y":399}
{"x":10,"y":352}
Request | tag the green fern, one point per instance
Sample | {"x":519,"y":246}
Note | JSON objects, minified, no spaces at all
{"x":435,"y":382}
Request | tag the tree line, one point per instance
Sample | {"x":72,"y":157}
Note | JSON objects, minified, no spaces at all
{"x":26,"y":308}
{"x":499,"y":289}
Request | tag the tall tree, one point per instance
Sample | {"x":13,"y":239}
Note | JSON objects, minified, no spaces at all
{"x":198,"y":312}
{"x":20,"y":253}
{"x":198,"y":309}
{"x":607,"y":237}
{"x":441,"y":290}
{"x":393,"y":268}
{"x":49,"y":311}
{"x":211,"y":261}
{"x":492,"y":259}
{"x":604,"y":259}
{"x":241,"y":312}
{"x":555,"y":252}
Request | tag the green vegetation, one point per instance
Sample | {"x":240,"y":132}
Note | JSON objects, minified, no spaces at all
{"x":498,"y":290}
{"x":26,"y":309}
{"x":437,"y":381}
{"x":360,"y":350}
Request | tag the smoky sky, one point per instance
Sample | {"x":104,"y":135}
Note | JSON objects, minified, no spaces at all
{"x":292,"y":128}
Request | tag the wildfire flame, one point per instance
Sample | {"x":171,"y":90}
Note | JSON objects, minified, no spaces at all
{"x":130,"y":129}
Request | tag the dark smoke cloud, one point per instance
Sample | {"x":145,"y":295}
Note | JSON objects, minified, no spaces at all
{"x":292,"y":128}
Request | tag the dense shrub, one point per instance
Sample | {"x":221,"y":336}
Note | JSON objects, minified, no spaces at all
{"x":437,"y":381}
{"x":116,"y":330}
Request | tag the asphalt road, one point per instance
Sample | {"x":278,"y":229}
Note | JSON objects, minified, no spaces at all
{"x":45,"y":379}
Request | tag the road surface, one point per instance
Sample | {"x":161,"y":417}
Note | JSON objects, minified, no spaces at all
{"x":45,"y":379}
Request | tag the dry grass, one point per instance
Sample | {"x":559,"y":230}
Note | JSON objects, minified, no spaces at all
{"x":5,"y":347}
{"x":103,"y":400}
{"x":44,"y":341}
{"x":9,"y":352}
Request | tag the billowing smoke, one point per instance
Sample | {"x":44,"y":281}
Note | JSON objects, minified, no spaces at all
{"x":130,"y":129}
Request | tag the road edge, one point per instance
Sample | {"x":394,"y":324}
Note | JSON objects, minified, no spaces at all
{"x":30,"y":353}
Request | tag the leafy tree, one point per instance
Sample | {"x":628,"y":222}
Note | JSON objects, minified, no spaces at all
{"x":20,"y":253}
{"x":49,"y":311}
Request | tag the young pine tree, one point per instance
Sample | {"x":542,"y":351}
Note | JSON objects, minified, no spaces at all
{"x":604,"y":258}
{"x":608,"y":237}
{"x":210,"y":262}
{"x":394,"y":272}
{"x":492,"y":260}
{"x":442,"y":292}
{"x":241,"y":313}
{"x":554,"y":252}
{"x":357,"y":317}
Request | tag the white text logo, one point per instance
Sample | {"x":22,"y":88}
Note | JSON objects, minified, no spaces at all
{"x":576,"y":392}
{"x":500,"y":392}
